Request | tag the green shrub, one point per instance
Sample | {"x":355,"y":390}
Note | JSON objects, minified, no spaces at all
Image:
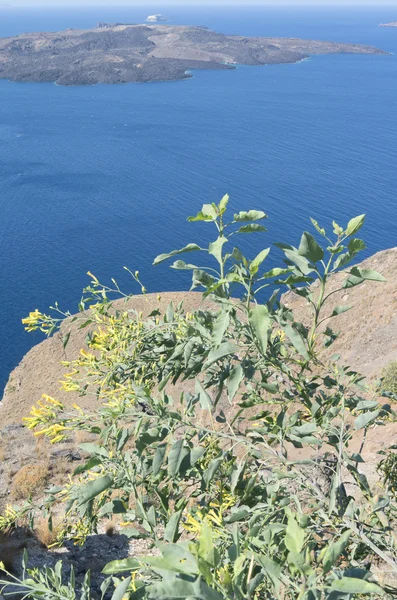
{"x":389,"y":378}
{"x":211,"y":478}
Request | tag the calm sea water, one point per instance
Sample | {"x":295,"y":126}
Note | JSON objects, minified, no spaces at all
{"x":101,"y":177}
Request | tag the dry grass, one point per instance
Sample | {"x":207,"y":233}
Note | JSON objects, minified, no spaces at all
{"x":3,"y":452}
{"x":42,"y":447}
{"x":84,"y":437}
{"x":30,"y":480}
{"x":60,"y":469}
{"x":44,"y":534}
{"x":110,"y":528}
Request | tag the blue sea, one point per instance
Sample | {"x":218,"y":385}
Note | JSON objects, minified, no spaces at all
{"x":95,"y":178}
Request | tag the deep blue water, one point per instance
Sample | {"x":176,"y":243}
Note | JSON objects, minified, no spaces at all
{"x":101,"y":177}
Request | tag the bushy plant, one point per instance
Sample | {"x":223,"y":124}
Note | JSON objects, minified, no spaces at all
{"x":389,"y":378}
{"x":211,"y":477}
{"x":30,"y":480}
{"x":388,"y":470}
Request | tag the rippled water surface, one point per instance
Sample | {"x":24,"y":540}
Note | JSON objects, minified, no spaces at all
{"x":101,"y":177}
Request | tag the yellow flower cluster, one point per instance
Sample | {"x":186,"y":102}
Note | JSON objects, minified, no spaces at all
{"x":38,"y":320}
{"x":278,"y":333}
{"x":214,"y":517}
{"x":69,"y":384}
{"x":8,"y":518}
{"x":42,"y":415}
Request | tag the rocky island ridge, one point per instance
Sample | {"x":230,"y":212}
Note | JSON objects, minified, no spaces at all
{"x":117,"y":53}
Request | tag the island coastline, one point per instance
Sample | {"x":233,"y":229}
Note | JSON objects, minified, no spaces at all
{"x":117,"y":53}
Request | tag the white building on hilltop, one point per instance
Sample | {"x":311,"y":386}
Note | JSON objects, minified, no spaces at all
{"x":156,"y":18}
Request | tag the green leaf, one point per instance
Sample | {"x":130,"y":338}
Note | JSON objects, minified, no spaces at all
{"x":381,"y":503}
{"x":90,"y":464}
{"x":235,"y":477}
{"x":182,"y":266}
{"x":258,"y":260}
{"x":175,"y":558}
{"x":207,"y":213}
{"x":209,"y":473}
{"x":221,"y":324}
{"x":310,"y":249}
{"x":171,"y":530}
{"x":354,"y":225}
{"x":338,"y":310}
{"x":304,"y":430}
{"x":352,"y":281}
{"x":233,"y":381}
{"x":297,"y":340}
{"x":133,"y":532}
{"x":251,"y":215}
{"x":196,"y":453}
{"x":121,"y":589}
{"x":188,"y":248}
{"x":94,"y":449}
{"x":179,"y":589}
{"x":294,"y":535}
{"x":251,"y":228}
{"x":206,"y":549}
{"x":114,"y":507}
{"x":238,"y":515}
{"x":223,"y":204}
{"x":177,"y":453}
{"x":334,"y":551}
{"x":300,"y":261}
{"x":338,"y":230}
{"x":366,"y":419}
{"x":317,"y":226}
{"x":215,"y":248}
{"x":204,"y":397}
{"x":299,"y":560}
{"x":65,"y":339}
{"x":259,"y":320}
{"x":358,"y":276}
{"x":273,"y":570}
{"x":90,"y":490}
{"x":351,"y":585}
{"x":119,"y":566}
{"x":343,"y":260}
{"x":159,"y":458}
{"x":367,"y":274}
{"x":294,"y":280}
{"x":224,"y":349}
{"x":355,"y":245}
{"x":274,"y":273}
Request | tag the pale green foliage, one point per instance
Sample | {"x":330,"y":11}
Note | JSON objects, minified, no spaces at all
{"x":218,"y":464}
{"x":389,"y":378}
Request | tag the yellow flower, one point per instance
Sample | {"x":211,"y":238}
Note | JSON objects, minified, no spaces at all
{"x":94,"y":279}
{"x":51,"y":400}
{"x":37,"y":320}
{"x":193,"y":525}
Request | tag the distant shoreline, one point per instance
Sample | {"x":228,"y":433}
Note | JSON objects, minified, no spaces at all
{"x":118,"y":53}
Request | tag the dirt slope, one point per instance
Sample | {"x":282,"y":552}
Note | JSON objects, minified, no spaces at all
{"x":368,"y":332}
{"x":40,"y":370}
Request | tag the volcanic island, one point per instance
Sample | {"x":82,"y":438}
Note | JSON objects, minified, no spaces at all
{"x":119,"y":53}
